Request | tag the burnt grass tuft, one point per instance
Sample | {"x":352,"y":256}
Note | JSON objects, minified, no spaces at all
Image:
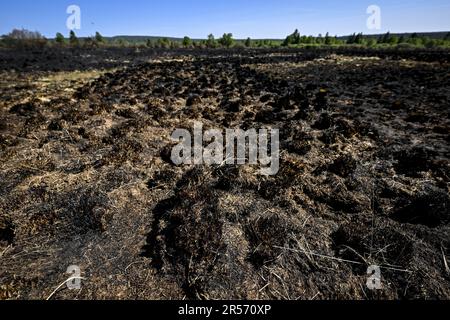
{"x":428,"y":207}
{"x":186,"y":238}
{"x":6,"y":232}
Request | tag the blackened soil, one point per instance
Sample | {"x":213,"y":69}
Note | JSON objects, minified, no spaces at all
{"x":86,"y":176}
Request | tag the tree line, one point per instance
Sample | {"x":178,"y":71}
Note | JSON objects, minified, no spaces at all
{"x":24,"y":38}
{"x":297,"y":40}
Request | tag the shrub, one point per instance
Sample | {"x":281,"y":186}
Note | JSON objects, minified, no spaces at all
{"x":149,"y":43}
{"x":90,"y":43}
{"x":24,"y":38}
{"x":371,"y":42}
{"x":164,"y":43}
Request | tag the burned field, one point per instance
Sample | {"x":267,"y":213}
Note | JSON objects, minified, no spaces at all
{"x":86,"y":177}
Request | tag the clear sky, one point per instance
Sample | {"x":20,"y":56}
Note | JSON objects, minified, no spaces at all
{"x":243,"y":18}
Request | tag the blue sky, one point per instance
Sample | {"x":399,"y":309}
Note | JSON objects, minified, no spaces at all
{"x":243,"y":18}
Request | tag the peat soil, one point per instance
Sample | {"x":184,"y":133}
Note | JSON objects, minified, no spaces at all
{"x":86,"y":177}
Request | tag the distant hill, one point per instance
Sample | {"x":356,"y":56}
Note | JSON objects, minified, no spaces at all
{"x":141,"y":38}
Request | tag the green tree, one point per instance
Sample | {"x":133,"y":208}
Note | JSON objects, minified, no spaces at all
{"x":293,"y":38}
{"x":227,"y":40}
{"x":386,"y":38}
{"x":211,"y":42}
{"x":248,"y":42}
{"x":351,"y":39}
{"x":296,"y":37}
{"x":187,"y":42}
{"x":328,"y":39}
{"x":59,"y":38}
{"x":99,"y":37}
{"x":319,"y":39}
{"x":73,"y":39}
{"x":359,"y":39}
